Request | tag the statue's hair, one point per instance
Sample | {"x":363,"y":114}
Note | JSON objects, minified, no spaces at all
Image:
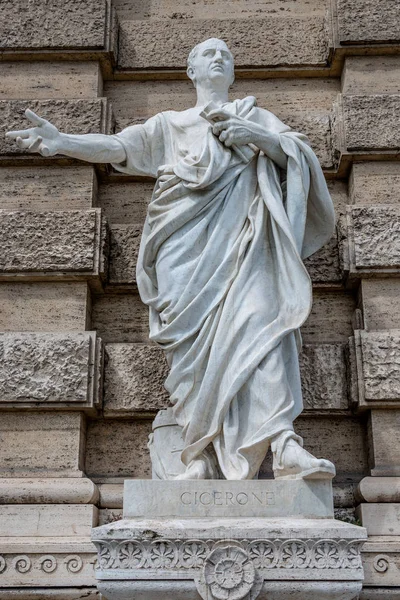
{"x":194,"y":51}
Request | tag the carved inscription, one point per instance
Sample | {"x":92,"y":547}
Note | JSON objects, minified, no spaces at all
{"x":226,"y":498}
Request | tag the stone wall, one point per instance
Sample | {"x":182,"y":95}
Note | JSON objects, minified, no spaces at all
{"x":79,"y":382}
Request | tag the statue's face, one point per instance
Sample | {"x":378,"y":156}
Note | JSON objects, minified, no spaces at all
{"x":213,"y":62}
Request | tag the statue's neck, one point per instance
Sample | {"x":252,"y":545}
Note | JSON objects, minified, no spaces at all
{"x":206,"y":95}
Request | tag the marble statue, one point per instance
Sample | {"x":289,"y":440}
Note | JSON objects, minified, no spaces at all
{"x":239,"y":201}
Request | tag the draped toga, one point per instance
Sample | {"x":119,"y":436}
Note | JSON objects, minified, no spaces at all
{"x":220,"y":267}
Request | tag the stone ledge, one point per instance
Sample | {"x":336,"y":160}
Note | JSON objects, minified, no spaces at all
{"x":70,"y":116}
{"x":247,"y":39}
{"x":47,"y":593}
{"x":53,"y":245}
{"x":40,"y":490}
{"x":44,"y":370}
{"x":374,"y":240}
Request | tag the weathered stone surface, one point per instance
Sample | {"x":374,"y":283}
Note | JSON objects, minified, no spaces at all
{"x":70,"y":116}
{"x":69,"y":24}
{"x":368,"y":21}
{"x":111,"y":496}
{"x":370,"y":122}
{"x":121,"y":318}
{"x":375,"y":183}
{"x":21,"y":80}
{"x":291,"y":41}
{"x":324,"y":265}
{"x":371,"y":75}
{"x":330,"y":318}
{"x":44,"y":444}
{"x":380,"y":519}
{"x":124,"y":248}
{"x":40,"y":490}
{"x":118,"y":448}
{"x":240,"y":9}
{"x":374,"y":233}
{"x":67,"y":593}
{"x":44,"y":188}
{"x":44,"y":307}
{"x":379,"y":489}
{"x":379,"y":354}
{"x":46,"y":520}
{"x":125,"y":202}
{"x":49,"y":242}
{"x":380,"y":303}
{"x":384,"y":440}
{"x":323,"y":377}
{"x":42,"y":369}
{"x":134,"y":379}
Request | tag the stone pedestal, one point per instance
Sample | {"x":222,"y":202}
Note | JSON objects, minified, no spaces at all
{"x":229,"y":540}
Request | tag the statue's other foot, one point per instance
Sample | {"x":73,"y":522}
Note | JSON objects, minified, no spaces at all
{"x":196,"y":469}
{"x":293,"y":462}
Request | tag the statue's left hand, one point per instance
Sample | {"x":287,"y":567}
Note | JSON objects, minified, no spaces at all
{"x":232,"y":129}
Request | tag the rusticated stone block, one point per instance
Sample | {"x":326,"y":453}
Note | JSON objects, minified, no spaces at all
{"x":166,"y":43}
{"x":134,"y":379}
{"x":378,"y":361}
{"x":374,"y":238}
{"x":44,"y":444}
{"x":118,"y":448}
{"x":380,"y":303}
{"x":323,"y":377}
{"x":368,"y":21}
{"x":70,"y":116}
{"x":375,"y":183}
{"x":39,"y":243}
{"x":371,"y":74}
{"x":124,"y":248}
{"x":43,"y":369}
{"x":66,"y":24}
{"x":371,"y":122}
{"x":324,"y":265}
{"x":384,"y":448}
{"x":45,"y":188}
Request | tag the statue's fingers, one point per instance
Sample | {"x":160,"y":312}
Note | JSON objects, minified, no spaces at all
{"x":23,"y":144}
{"x":22,"y":133}
{"x":218,"y":113}
{"x":34,"y":147}
{"x":218,"y":127}
{"x":34,"y":118}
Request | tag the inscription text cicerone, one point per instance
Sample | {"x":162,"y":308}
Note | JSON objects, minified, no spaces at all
{"x":226,"y":498}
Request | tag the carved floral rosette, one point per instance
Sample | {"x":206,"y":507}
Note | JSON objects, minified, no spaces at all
{"x":228,"y":569}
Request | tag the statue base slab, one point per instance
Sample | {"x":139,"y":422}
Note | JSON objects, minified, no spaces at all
{"x":229,"y":557}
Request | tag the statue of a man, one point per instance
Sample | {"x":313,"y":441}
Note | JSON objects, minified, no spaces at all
{"x":239,"y":200}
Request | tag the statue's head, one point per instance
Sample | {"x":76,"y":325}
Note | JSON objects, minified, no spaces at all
{"x":211,"y":61}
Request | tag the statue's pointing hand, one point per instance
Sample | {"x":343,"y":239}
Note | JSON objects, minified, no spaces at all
{"x":43,"y":138}
{"x":232,"y":129}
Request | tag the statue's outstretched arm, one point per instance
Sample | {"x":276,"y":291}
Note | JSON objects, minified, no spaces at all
{"x":48,"y":141}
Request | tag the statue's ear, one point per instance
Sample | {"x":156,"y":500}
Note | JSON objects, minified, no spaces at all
{"x":190,"y":74}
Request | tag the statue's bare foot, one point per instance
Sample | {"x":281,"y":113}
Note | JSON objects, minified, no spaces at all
{"x":296,"y":463}
{"x":196,"y":469}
